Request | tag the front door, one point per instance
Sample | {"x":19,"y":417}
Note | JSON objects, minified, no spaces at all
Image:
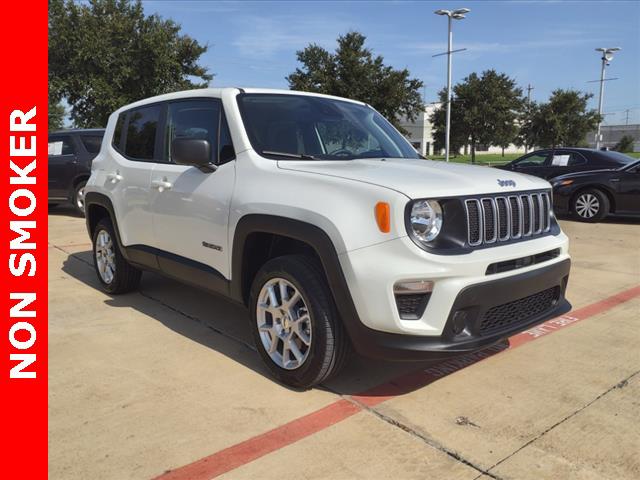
{"x":191,"y":206}
{"x":532,"y":164}
{"x":627,"y":185}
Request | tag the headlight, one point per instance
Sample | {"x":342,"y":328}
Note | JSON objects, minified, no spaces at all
{"x":425,"y":221}
{"x":561,"y":183}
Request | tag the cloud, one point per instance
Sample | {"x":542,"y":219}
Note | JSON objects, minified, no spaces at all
{"x":267,"y":36}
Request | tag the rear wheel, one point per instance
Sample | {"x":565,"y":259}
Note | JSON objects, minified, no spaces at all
{"x":114,"y":272}
{"x":296,"y":326}
{"x":590,"y":205}
{"x":78,"y":198}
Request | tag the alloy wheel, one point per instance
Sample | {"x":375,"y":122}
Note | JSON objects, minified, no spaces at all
{"x":80,"y":199}
{"x":105,"y":256}
{"x":284,"y":323}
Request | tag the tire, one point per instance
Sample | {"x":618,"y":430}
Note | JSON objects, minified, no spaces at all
{"x":78,"y":198}
{"x":115,"y":274}
{"x":590,"y":205}
{"x":328,"y":345}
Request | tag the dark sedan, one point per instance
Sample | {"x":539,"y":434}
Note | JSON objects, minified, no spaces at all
{"x":70,"y":155}
{"x":553,"y":162}
{"x":591,"y":196}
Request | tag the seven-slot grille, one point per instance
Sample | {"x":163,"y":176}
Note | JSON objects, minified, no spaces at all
{"x":508,"y":217}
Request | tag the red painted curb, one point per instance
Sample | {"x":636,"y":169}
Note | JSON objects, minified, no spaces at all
{"x":244,"y":452}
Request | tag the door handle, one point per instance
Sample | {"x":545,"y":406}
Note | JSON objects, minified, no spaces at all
{"x":615,"y":180}
{"x":162,"y":185}
{"x":114,"y":177}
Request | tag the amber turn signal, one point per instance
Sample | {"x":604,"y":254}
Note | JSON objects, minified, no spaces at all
{"x":383,"y":217}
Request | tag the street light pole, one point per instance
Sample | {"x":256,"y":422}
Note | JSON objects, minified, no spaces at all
{"x":458,"y":14}
{"x":607,"y":56}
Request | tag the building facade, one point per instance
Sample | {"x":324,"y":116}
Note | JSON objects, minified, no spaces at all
{"x":612,"y":134}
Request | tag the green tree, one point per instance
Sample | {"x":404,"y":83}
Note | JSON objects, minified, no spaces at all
{"x":352,"y":71}
{"x":625,"y":144}
{"x":56,"y":115}
{"x":106,"y":53}
{"x":563,"y":121}
{"x":485,"y":111}
{"x":438,"y":120}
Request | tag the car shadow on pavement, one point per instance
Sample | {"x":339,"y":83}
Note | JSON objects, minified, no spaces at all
{"x":608,"y":220}
{"x":64,"y":210}
{"x":223,"y":326}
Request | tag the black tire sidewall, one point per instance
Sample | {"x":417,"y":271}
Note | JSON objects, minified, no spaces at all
{"x":315,"y":293}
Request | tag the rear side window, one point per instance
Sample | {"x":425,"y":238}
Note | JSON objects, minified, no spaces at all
{"x":62,"y":145}
{"x":141,"y":132}
{"x":117,"y":133}
{"x":193,"y":119}
{"x":91,"y":143}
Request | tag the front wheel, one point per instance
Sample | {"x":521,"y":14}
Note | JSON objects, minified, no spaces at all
{"x":296,"y":326}
{"x":590,"y":205}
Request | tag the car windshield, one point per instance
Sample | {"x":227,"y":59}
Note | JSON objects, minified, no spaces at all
{"x":315,"y":128}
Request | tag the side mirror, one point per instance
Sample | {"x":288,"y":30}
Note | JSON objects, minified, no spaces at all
{"x":192,"y":151}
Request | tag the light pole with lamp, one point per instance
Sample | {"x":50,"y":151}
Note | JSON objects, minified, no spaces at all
{"x":607,"y":56}
{"x":452,"y":15}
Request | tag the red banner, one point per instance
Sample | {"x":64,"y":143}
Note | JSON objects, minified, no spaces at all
{"x":23,"y":145}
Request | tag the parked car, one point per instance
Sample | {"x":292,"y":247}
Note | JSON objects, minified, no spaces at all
{"x":321,"y":218}
{"x":70,"y":156}
{"x":552,"y":163}
{"x":591,"y":196}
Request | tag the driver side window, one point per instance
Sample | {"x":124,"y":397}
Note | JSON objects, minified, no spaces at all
{"x":532,"y":160}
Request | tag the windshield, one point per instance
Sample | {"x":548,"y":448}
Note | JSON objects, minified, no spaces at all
{"x":316,"y":128}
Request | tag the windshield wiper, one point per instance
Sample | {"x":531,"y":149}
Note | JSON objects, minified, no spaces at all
{"x":300,"y":156}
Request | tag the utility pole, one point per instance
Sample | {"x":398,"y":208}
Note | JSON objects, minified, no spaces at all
{"x":458,"y":14}
{"x":607,"y":56}
{"x":626,"y":122}
{"x":529,"y":88}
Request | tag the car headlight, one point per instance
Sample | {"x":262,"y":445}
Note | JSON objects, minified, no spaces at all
{"x":561,"y":183}
{"x":425,"y":220}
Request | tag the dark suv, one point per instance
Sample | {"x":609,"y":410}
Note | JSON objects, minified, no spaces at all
{"x":70,"y":156}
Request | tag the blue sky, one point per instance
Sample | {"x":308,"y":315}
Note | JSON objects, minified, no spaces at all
{"x":546,"y":44}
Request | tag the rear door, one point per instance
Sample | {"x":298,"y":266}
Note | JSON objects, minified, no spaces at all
{"x":136,"y":148}
{"x":191,"y":206}
{"x":565,"y":161}
{"x":63,"y":156}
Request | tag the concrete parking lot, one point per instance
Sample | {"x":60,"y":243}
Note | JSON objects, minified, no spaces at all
{"x":165,"y":383}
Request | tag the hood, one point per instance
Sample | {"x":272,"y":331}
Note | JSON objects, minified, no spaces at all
{"x":418,"y":178}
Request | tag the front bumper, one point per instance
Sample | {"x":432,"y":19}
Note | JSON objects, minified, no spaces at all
{"x":479,"y":302}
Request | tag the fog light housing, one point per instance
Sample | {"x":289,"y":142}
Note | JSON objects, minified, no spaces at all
{"x":412,"y":298}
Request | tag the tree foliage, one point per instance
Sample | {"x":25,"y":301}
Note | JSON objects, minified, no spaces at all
{"x":352,"y":71}
{"x":484,"y":111}
{"x":625,"y":144}
{"x":56,"y":115}
{"x":563,"y":121}
{"x":106,"y":53}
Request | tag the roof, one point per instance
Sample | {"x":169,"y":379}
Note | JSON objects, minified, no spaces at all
{"x":220,"y":92}
{"x":80,"y":131}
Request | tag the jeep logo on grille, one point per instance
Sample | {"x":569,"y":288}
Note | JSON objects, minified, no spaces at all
{"x":506,"y":183}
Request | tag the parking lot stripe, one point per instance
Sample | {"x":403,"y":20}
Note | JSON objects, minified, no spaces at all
{"x":256,"y":447}
{"x":249,"y":450}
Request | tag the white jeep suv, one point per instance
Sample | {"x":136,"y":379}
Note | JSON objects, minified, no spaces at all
{"x":315,"y":213}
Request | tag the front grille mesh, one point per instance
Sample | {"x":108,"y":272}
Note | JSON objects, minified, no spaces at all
{"x":505,"y":218}
{"x":519,"y":311}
